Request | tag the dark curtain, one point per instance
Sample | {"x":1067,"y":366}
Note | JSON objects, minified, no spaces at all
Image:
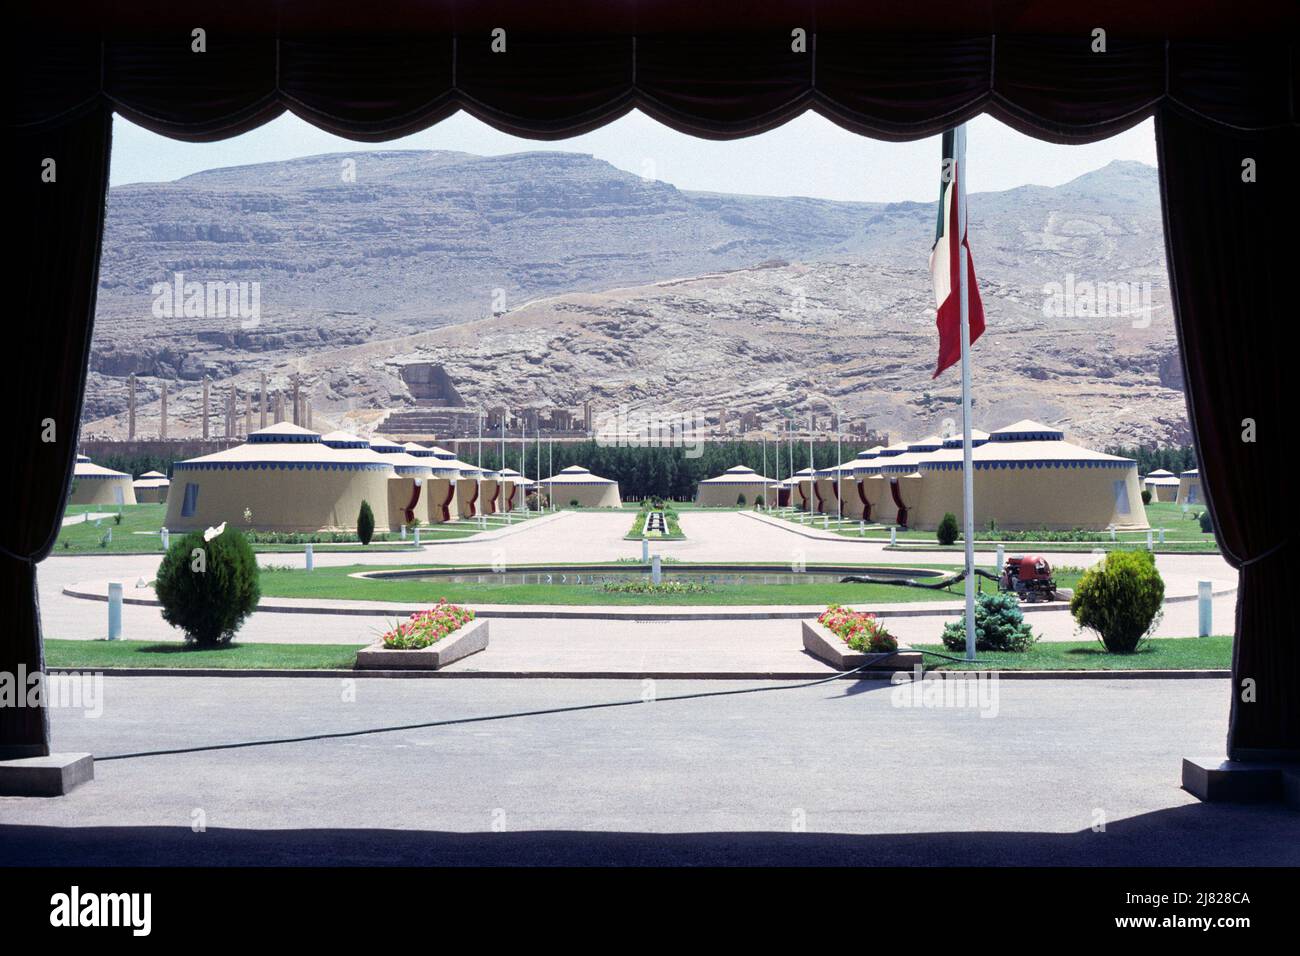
{"x":866,"y":505}
{"x":1222,"y":83}
{"x":1231,"y":255}
{"x":901,"y":518}
{"x":58,"y":178}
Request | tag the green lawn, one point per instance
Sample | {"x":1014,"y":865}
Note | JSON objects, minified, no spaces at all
{"x":1158,"y":654}
{"x":96,"y":654}
{"x":88,"y":537}
{"x":1182,"y":534}
{"x":674,"y":532}
{"x":335,"y":583}
{"x":1161,"y":653}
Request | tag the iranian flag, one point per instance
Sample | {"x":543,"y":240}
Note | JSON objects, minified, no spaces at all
{"x":944,"y":261}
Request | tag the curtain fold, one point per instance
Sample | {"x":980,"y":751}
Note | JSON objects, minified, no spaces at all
{"x":1229,"y":271}
{"x":59,"y":178}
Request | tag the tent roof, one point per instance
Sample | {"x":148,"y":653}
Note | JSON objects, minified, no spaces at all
{"x":1050,"y":453}
{"x":85,"y":468}
{"x":283,"y":433}
{"x":1160,"y":473}
{"x":737,"y":475}
{"x":1191,"y":473}
{"x":342,"y":439}
{"x":577,"y":475}
{"x":292,"y":454}
{"x":1026,"y":430}
{"x":977,"y":438}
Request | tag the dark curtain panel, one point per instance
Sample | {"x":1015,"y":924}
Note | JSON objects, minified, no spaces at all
{"x":1231,"y":251}
{"x":58,"y":178}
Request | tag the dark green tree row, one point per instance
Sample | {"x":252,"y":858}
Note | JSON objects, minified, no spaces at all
{"x":670,"y":472}
{"x":1177,"y":460}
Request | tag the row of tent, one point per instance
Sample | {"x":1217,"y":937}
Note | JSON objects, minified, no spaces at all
{"x":288,"y":478}
{"x":1184,"y":488}
{"x":96,"y":485}
{"x":1026,"y":476}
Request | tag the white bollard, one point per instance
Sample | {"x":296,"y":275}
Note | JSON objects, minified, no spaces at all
{"x":166,"y":539}
{"x":115,"y":612}
{"x":1150,"y":543}
{"x":1204,"y":608}
{"x":862,"y":527}
{"x":403,"y":532}
{"x":656,"y":571}
{"x":110,"y":535}
{"x":826,"y":521}
{"x":645,"y":549}
{"x":1001,"y":559}
{"x":311,"y":558}
{"x":893,"y":535}
{"x":1162,"y":535}
{"x":417,"y":535}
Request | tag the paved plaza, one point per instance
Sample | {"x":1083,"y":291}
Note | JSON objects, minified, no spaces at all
{"x":588,"y":771}
{"x":589,"y":536}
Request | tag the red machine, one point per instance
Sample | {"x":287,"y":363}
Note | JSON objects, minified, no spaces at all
{"x":1029,"y":577}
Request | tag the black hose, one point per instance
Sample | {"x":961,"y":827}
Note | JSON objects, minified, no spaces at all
{"x":913,"y":583}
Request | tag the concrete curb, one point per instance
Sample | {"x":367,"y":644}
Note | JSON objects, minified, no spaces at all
{"x":633,"y":675}
{"x":808,"y":531}
{"x":386,"y":547}
{"x":84,"y":591}
{"x":97,"y":591}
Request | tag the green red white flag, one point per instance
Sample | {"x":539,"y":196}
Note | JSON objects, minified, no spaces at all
{"x":945,"y":262}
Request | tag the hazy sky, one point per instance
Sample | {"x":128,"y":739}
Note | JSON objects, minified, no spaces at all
{"x":809,"y":156}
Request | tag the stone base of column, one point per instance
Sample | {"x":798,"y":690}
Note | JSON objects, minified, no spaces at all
{"x":51,"y":776}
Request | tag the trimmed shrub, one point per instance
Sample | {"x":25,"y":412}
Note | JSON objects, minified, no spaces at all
{"x":740,"y":501}
{"x":1120,"y":599}
{"x":207,"y":588}
{"x":365,"y":523}
{"x":1146,"y":496}
{"x":1206,"y":522}
{"x":999,"y":626}
{"x":758,"y":501}
{"x":947,"y":531}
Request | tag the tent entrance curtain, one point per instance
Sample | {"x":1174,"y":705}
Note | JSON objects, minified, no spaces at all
{"x":1224,"y":101}
{"x":866,"y":505}
{"x":901,"y":518}
{"x":410,"y":506}
{"x":446,"y":505}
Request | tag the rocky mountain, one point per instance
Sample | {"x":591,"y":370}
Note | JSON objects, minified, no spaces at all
{"x":543,"y":278}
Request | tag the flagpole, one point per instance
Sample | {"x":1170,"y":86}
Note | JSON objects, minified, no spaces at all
{"x":967,"y":473}
{"x":839,"y":461}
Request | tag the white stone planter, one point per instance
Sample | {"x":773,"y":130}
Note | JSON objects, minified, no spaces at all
{"x":823,"y":644}
{"x":468,"y":639}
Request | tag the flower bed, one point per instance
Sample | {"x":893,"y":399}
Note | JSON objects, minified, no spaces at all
{"x":648,"y":587}
{"x":858,"y":629}
{"x":427,"y":627}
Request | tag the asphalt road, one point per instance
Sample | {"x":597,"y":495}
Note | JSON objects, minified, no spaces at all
{"x":559,"y":771}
